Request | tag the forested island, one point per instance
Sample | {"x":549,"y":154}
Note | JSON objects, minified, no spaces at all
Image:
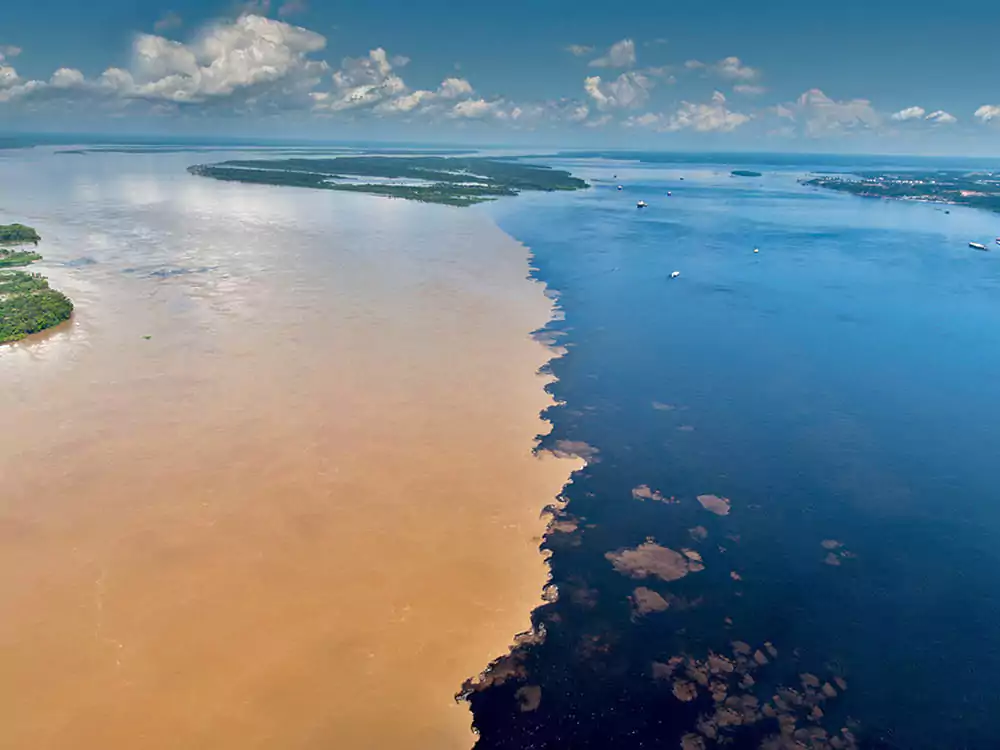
{"x":27,"y":303}
{"x":974,"y":189}
{"x":453,"y":181}
{"x":745,"y":173}
{"x":18,"y":233}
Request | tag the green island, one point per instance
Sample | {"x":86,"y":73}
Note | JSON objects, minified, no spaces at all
{"x":27,"y":303}
{"x":745,"y":173}
{"x":973,"y":189}
{"x":18,"y":233}
{"x":448,"y":180}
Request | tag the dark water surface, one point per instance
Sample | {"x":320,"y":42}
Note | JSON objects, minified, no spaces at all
{"x":839,"y":387}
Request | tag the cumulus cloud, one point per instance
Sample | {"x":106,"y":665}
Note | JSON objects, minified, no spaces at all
{"x":8,"y":52}
{"x":362,"y":82}
{"x":628,"y":91}
{"x":748,"y":89}
{"x":224,"y":58}
{"x":711,"y":117}
{"x":620,"y":55}
{"x":450,"y":89}
{"x":988,"y":112}
{"x":167,"y":22}
{"x":940,"y":117}
{"x":732,"y":68}
{"x":910,"y":113}
{"x":815,"y":114}
{"x":579,"y":50}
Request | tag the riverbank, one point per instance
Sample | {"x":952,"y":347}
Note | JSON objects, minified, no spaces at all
{"x":276,"y":487}
{"x":28,"y":305}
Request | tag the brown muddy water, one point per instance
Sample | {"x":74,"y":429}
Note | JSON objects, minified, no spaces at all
{"x":273,"y":486}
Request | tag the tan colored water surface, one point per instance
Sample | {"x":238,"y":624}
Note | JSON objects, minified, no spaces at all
{"x":303,"y":510}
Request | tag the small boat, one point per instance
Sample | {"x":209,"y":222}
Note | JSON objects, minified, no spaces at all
{"x":998,"y":240}
{"x":619,"y":187}
{"x":977,"y":246}
{"x":675,"y":274}
{"x":669,"y":193}
{"x":640,"y":204}
{"x":756,"y":249}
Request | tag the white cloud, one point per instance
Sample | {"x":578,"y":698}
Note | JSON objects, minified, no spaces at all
{"x":988,"y":112}
{"x":714,"y":116}
{"x":694,"y":65}
{"x":910,"y":113}
{"x":453,"y":88}
{"x":748,"y":89}
{"x":167,"y":22}
{"x":8,"y":77}
{"x":732,"y":68}
{"x":620,"y":55}
{"x":579,"y":50}
{"x":627,"y":91}
{"x":474,"y":109}
{"x":940,"y":117}
{"x":9,"y":51}
{"x":223,"y":59}
{"x":450,"y":89}
{"x":711,"y":117}
{"x":816,"y":115}
{"x":362,"y":82}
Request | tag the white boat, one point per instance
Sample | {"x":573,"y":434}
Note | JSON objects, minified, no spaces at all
{"x":619,"y":187}
{"x":998,"y":240}
{"x":675,"y":274}
{"x":640,"y":204}
{"x":977,"y":246}
{"x":669,"y":193}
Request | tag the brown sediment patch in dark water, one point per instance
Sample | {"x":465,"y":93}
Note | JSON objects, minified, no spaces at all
{"x":302,"y":512}
{"x":650,"y":559}
{"x":646,"y":600}
{"x":645,"y":492}
{"x":720,"y":506}
{"x":574,"y":449}
{"x":784,"y":718}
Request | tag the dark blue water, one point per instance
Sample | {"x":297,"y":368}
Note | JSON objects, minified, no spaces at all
{"x":843,"y":384}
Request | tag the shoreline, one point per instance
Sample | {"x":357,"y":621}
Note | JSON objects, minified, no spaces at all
{"x":243,"y":529}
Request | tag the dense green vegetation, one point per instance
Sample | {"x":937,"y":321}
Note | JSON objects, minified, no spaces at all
{"x":12,"y":258}
{"x":745,"y":173}
{"x":451,"y":180}
{"x":10,"y":233}
{"x":27,"y":304}
{"x":974,"y":189}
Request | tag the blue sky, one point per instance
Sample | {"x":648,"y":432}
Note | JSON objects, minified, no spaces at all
{"x":888,"y":75}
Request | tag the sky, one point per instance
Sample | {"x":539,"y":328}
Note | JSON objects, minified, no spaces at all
{"x":850,"y":75}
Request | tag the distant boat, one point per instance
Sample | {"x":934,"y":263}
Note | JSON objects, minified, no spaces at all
{"x":640,"y":204}
{"x":977,"y":246}
{"x":619,"y":187}
{"x":756,"y":250}
{"x":669,"y":193}
{"x":675,"y":274}
{"x":998,"y":240}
